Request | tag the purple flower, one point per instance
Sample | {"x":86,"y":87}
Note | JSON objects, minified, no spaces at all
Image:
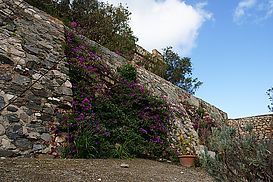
{"x":143,"y":131}
{"x":157,"y":140}
{"x":74,"y":24}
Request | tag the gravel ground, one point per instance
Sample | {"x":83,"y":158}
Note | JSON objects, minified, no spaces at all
{"x":140,"y":170}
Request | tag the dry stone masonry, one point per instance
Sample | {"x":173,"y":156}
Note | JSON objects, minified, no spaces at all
{"x":175,"y":97}
{"x":35,"y":87}
{"x":262,"y":125}
{"x":33,"y":78}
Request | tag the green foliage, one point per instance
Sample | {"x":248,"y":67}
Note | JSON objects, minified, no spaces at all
{"x":128,"y":72}
{"x":179,"y":71}
{"x":101,"y":22}
{"x":239,"y":158}
{"x":154,"y":65}
{"x":137,"y":121}
{"x":120,"y":120}
{"x":270,"y":94}
{"x":185,"y":145}
{"x":202,"y":123}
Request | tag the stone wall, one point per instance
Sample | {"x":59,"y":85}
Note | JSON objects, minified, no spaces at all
{"x":141,"y":55}
{"x":151,"y":61}
{"x":34,"y":86}
{"x":262,"y":125}
{"x":177,"y":98}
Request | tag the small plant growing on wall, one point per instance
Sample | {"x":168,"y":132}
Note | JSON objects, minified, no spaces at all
{"x":128,"y":72}
{"x":202,"y":123}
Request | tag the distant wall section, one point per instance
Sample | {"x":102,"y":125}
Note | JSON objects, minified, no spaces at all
{"x":262,"y":125}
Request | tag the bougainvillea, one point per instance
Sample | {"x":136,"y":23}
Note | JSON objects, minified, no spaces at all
{"x":111,"y":120}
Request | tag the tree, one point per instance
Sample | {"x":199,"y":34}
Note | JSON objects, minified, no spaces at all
{"x":179,"y":71}
{"x":270,"y":94}
{"x":105,"y":24}
{"x":101,"y":22}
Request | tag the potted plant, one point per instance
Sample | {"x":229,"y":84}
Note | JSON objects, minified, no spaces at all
{"x":186,"y":152}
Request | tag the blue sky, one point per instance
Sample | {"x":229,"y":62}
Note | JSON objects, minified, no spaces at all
{"x":230,"y":44}
{"x":235,"y":59}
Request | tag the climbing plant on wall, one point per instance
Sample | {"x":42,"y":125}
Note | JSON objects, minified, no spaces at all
{"x":121,"y":119}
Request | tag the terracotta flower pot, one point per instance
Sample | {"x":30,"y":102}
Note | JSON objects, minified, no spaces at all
{"x":187,"y":160}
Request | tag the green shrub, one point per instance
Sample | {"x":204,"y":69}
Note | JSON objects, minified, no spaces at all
{"x":128,"y":72}
{"x":101,"y":22}
{"x":239,"y":158}
{"x":121,"y":120}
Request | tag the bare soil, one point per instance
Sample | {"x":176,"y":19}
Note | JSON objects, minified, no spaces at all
{"x":105,"y":170}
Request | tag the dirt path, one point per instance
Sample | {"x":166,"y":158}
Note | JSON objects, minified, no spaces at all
{"x":140,"y":170}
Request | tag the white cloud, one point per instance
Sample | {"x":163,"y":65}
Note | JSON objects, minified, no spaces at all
{"x":241,"y":9}
{"x":255,"y":10}
{"x":163,"y":23}
{"x":269,"y":12}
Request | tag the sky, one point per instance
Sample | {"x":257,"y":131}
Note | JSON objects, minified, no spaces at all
{"x":230,"y":44}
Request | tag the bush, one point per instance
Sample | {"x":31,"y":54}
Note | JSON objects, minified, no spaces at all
{"x":101,"y":22}
{"x":119,"y":120}
{"x":128,"y":72}
{"x":239,"y":158}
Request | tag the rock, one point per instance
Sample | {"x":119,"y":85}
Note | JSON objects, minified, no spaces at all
{"x":211,"y":154}
{"x":13,"y":117}
{"x":34,"y":135}
{"x":12,"y":108}
{"x":6,"y":60}
{"x":46,"y":137}
{"x":36,"y":128}
{"x":66,"y":91}
{"x":6,"y":153}
{"x":124,"y":165}
{"x":6,"y":77}
{"x":6,"y":144}
{"x":37,"y":147}
{"x":68,"y":84}
{"x":23,"y":143}
{"x":2,"y":102}
{"x":14,"y":131}
{"x":60,"y":139}
{"x":36,"y":76}
{"x":46,"y":150}
{"x":22,"y":80}
{"x":54,"y":99}
{"x":11,"y":27}
{"x":9,"y":97}
{"x":2,"y":130}
{"x":31,"y":49}
{"x":48,"y":110}
{"x":37,"y":114}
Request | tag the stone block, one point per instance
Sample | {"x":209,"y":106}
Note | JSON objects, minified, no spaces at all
{"x":6,"y":153}
{"x":12,"y":117}
{"x":23,"y":143}
{"x":2,"y":130}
